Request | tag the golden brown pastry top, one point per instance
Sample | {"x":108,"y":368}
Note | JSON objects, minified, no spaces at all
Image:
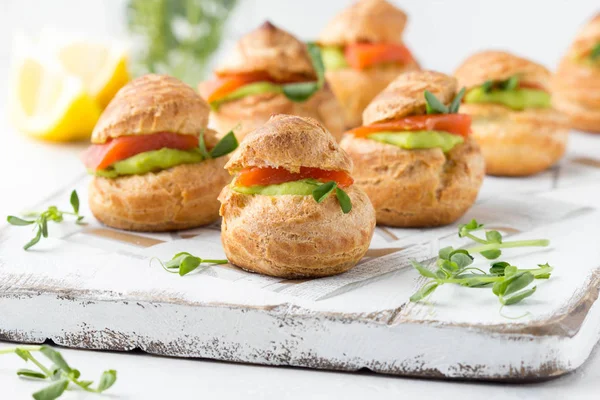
{"x":290,"y":142}
{"x":499,"y":66}
{"x":587,"y":38}
{"x":272,"y":50}
{"x":406,"y":96}
{"x":152,"y":104}
{"x":365,"y":21}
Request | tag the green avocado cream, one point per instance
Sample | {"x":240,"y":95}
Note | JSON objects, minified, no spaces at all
{"x":333,"y":58}
{"x":248,"y":90}
{"x":150,"y":161}
{"x":518,"y":99}
{"x":303,"y":187}
{"x":419,"y":139}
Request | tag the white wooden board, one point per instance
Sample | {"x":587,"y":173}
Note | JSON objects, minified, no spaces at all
{"x":93,"y":287}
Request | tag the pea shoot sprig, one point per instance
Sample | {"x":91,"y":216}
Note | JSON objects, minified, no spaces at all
{"x":60,"y":373}
{"x":508,"y":282}
{"x":491,"y":246}
{"x":324,"y":190}
{"x":434,"y":106}
{"x":183,"y":263}
{"x":41,"y":219}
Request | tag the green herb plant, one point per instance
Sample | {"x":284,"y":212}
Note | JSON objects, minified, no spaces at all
{"x":226,"y":145}
{"x":183,"y":263}
{"x":41,"y":219}
{"x":300,"y":92}
{"x":508,"y":282}
{"x":176,"y":37}
{"x":434,"y":106}
{"x":60,"y":373}
{"x":324,"y":190}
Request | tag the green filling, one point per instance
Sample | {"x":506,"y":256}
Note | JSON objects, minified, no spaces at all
{"x":517,"y":99}
{"x":419,"y":139}
{"x":333,"y":58}
{"x":303,"y":187}
{"x":248,"y":90}
{"x":151,"y":161}
{"x":593,"y":59}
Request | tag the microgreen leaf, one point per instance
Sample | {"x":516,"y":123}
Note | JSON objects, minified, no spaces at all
{"x":16,"y":221}
{"x":511,"y":83}
{"x":513,"y":283}
{"x":487,"y":86}
{"x":434,"y":105}
{"x":74,"y":200}
{"x":33,"y":241}
{"x":226,"y":145}
{"x":449,"y":266}
{"x":185,"y":263}
{"x":491,"y":254}
{"x":461,"y":251}
{"x":24,"y":354}
{"x":300,"y":92}
{"x":455,"y":105}
{"x":322,"y":191}
{"x":498,"y":268}
{"x":493,"y":236}
{"x":74,"y":374}
{"x":107,"y":379}
{"x":84,"y":384}
{"x":445,"y":253}
{"x":473,"y":225}
{"x":474,"y":280}
{"x":510,"y":270}
{"x":517,"y":297}
{"x":518,"y":281}
{"x":542,"y":275}
{"x":461,"y":260}
{"x":424,"y":292}
{"x":53,"y":391}
{"x":44,"y":226}
{"x":344,"y":200}
{"x":55,"y":357}
{"x":29,"y":373}
{"x":189,"y":264}
{"x":202,"y":146}
{"x":423,"y":270}
{"x":440,"y":273}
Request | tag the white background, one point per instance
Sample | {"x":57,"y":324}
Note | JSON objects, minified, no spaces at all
{"x":440,"y":33}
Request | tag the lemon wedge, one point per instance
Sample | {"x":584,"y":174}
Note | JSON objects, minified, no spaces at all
{"x":102,"y":68}
{"x":47,"y":103}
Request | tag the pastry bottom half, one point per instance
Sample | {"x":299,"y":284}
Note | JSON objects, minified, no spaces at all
{"x":416,"y":188}
{"x":577,"y":94}
{"x":294,"y":236}
{"x":181,"y":197}
{"x":518,"y":143}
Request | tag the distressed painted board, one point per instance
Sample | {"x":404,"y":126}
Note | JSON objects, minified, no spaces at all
{"x":95,"y":288}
